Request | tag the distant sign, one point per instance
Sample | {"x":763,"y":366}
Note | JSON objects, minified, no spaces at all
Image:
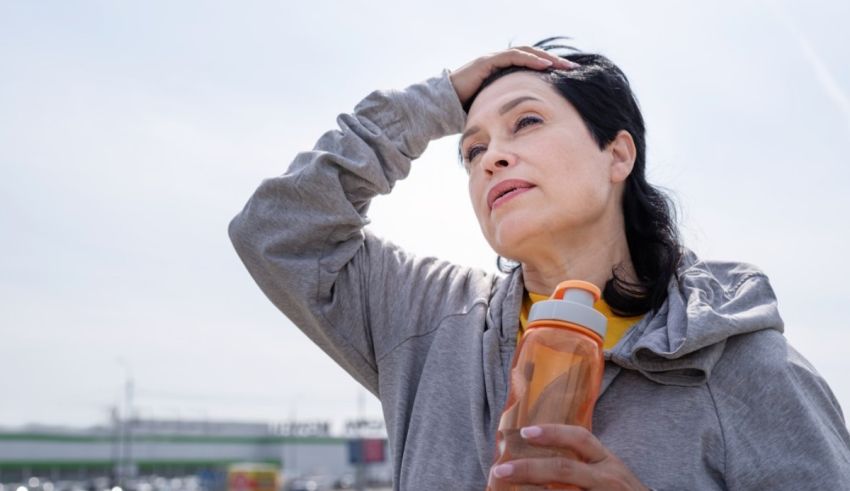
{"x":366,"y":451}
{"x":360,"y":425}
{"x":314,"y":428}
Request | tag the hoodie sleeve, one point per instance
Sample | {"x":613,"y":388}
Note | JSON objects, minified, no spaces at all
{"x":782,"y":426}
{"x":301,"y":235}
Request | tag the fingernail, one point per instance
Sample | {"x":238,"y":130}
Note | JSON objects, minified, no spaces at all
{"x":503,"y":470}
{"x":531,"y":431}
{"x":547,"y":62}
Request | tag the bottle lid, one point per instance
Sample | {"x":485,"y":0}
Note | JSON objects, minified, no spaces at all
{"x":572,"y":302}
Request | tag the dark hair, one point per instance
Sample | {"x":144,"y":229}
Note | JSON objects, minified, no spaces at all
{"x":601,"y":94}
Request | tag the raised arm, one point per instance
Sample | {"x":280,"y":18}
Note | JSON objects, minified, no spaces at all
{"x":300,"y":231}
{"x":302,"y":237}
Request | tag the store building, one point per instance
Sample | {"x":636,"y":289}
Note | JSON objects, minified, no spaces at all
{"x":182,"y":448}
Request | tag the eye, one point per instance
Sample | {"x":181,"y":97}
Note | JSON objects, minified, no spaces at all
{"x":526,"y":121}
{"x":474,"y":151}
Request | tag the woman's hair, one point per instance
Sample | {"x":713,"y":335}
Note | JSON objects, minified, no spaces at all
{"x":601,"y":94}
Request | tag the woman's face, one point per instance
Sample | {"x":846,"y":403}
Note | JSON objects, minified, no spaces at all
{"x":536,"y":176}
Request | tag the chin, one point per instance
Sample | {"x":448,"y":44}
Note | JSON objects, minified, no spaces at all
{"x":511,"y":236}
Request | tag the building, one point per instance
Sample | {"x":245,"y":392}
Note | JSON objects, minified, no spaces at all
{"x":124,"y":450}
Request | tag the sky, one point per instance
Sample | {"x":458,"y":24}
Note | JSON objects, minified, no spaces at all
{"x":132,"y":132}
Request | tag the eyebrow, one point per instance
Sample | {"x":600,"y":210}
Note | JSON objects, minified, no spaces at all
{"x":504,"y":109}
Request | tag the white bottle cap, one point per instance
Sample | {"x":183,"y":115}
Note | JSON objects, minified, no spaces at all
{"x":572,"y":302}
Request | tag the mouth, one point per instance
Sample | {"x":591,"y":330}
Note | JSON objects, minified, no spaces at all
{"x":506,"y":190}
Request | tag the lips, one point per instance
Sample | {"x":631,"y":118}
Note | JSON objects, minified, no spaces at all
{"x":505,"y":190}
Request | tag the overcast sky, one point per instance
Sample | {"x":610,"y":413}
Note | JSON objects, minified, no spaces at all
{"x":132,"y":132}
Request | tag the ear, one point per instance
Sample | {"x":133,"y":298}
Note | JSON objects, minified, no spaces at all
{"x":623,"y":154}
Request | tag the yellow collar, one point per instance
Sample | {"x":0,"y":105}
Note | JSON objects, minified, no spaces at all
{"x":617,"y":326}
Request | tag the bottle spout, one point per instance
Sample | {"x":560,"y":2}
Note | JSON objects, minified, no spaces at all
{"x":581,"y":292}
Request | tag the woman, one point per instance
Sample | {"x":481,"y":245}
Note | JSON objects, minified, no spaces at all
{"x":700,"y":389}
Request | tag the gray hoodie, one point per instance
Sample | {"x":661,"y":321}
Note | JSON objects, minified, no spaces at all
{"x":703,"y":394}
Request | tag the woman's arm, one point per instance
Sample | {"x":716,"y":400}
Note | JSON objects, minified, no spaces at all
{"x":782,"y":426}
{"x":302,"y":237}
{"x":301,"y":234}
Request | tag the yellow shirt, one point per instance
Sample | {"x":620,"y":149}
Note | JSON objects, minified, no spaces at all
{"x":617,"y":326}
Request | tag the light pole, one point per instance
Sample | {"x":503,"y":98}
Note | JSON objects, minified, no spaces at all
{"x":125,"y":455}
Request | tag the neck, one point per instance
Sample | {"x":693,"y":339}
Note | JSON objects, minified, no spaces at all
{"x":591,"y":261}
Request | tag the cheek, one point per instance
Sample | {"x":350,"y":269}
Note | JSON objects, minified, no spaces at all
{"x":475,"y":190}
{"x":584,"y":199}
{"x":578,"y":183}
{"x":479,"y":206}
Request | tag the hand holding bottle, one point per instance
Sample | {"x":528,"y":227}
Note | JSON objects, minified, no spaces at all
{"x":595,"y":467}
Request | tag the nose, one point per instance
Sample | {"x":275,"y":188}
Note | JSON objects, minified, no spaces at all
{"x":497,"y":158}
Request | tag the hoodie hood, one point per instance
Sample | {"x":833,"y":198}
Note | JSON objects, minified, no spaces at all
{"x":710,"y":302}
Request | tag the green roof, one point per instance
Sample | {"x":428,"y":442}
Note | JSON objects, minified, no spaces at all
{"x":88,"y":464}
{"x":170,"y":438}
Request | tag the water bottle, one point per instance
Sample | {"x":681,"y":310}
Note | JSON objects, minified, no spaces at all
{"x":555,"y":375}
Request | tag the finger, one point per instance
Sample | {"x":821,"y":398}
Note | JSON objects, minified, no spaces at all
{"x":556,"y":60}
{"x":530,"y":57}
{"x":560,"y":470}
{"x":576,"y":438}
{"x":518,"y":57}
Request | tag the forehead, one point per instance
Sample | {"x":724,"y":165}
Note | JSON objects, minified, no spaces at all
{"x":510,"y":87}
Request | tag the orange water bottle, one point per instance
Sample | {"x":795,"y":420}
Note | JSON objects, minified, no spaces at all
{"x":555,"y":375}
